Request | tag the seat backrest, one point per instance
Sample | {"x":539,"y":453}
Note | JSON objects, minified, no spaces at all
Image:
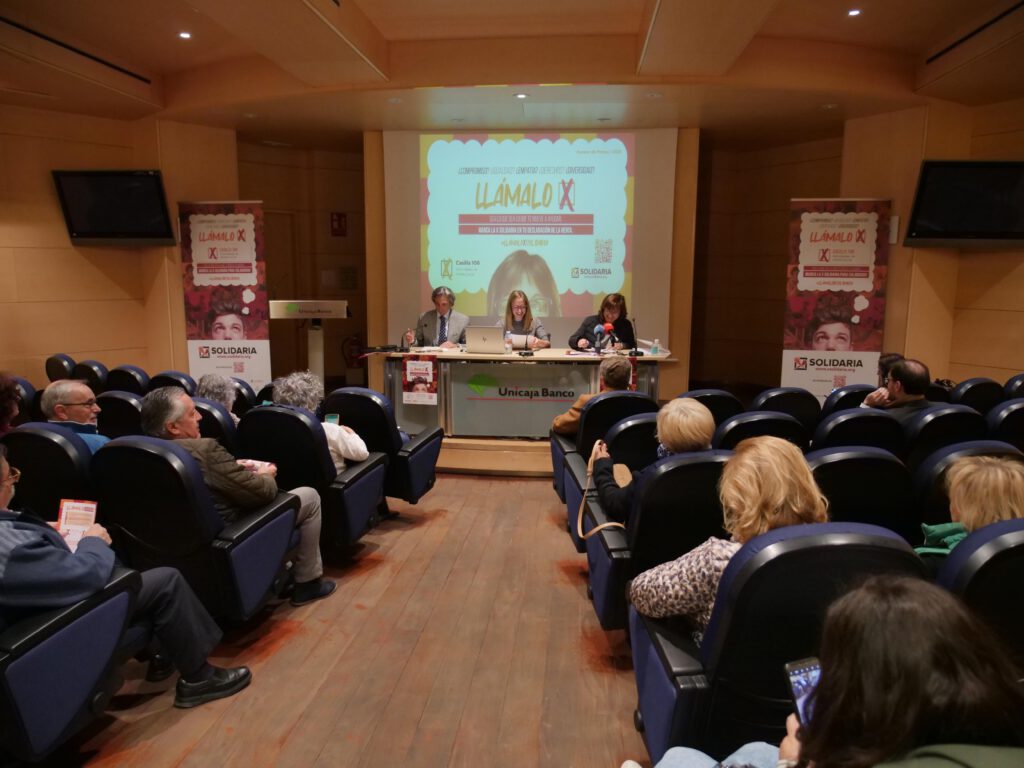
{"x":59,"y":366}
{"x":602,"y":411}
{"x":291,"y":438}
{"x":128,"y":378}
{"x":796,"y":401}
{"x":986,"y":569}
{"x":859,"y":426}
{"x":980,"y":393}
{"x":120,"y":414}
{"x":154,"y":502}
{"x":26,"y":397}
{"x":1006,"y":422}
{"x":939,"y":426}
{"x":769,"y":610}
{"x":930,"y":493}
{"x":936,"y":393}
{"x":369,"y":414}
{"x":93,"y":372}
{"x":675,"y":507}
{"x":245,"y":397}
{"x":54,"y":464}
{"x":866,"y":485}
{"x":217,"y":423}
{"x":734,"y":430}
{"x":266,"y":394}
{"x":173,"y":379}
{"x":721,"y":403}
{"x":1014,"y":387}
{"x":634,"y":441}
{"x":841,"y":398}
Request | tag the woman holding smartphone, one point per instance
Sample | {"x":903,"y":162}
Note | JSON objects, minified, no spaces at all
{"x":910,"y":678}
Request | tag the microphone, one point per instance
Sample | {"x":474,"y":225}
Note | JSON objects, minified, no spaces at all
{"x":610,"y":330}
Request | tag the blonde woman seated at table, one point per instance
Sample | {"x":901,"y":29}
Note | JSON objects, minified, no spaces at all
{"x":527,"y":332}
{"x":765,"y":485}
{"x":304,"y":389}
{"x":684,"y":425}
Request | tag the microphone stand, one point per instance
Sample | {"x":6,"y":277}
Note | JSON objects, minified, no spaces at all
{"x":635,"y":351}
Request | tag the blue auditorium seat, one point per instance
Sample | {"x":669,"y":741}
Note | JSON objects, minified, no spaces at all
{"x":54,"y":464}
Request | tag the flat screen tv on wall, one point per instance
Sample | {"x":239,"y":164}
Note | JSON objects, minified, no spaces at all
{"x":968,"y":203}
{"x":119,"y":208}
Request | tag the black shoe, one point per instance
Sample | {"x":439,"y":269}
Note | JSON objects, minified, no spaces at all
{"x":160,"y":668}
{"x":222,"y":683}
{"x":311,"y":591}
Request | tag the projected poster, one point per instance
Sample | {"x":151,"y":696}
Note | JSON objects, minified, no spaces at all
{"x":838,"y":259}
{"x":548,"y":214}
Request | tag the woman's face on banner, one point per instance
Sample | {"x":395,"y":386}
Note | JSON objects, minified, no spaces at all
{"x":832,"y":337}
{"x":540,"y":303}
{"x":227,"y":328}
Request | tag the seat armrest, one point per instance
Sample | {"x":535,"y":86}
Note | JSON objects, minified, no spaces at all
{"x":673,"y":640}
{"x":614,"y":541}
{"x":355,"y":471}
{"x":416,"y":443}
{"x":246,"y":526}
{"x":28,"y":632}
{"x":565,"y":444}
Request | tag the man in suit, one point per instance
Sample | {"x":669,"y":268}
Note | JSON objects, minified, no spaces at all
{"x":442,"y":326}
{"x":902,"y":394}
{"x":40,"y":572}
{"x":615,"y":373}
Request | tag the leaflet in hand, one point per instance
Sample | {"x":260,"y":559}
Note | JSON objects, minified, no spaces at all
{"x":254,"y":465}
{"x":74,"y":519}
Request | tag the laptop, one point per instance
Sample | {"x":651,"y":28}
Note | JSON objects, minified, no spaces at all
{"x":485,"y":340}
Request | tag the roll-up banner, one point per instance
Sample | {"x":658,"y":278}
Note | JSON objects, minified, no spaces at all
{"x":225,"y":282}
{"x":835,"y":293}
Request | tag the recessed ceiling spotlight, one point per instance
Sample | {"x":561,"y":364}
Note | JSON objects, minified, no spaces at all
{"x":185,"y":35}
{"x":603,"y":119}
{"x":652,"y":95}
{"x":853,"y":12}
{"x":520,"y":95}
{"x":249,"y":115}
{"x":395,"y":100}
{"x":830,"y":105}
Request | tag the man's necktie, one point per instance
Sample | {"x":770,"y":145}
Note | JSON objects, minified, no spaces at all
{"x":442,"y":334}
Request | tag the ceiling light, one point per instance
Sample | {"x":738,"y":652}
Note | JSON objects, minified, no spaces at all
{"x":520,"y":95}
{"x":185,"y":35}
{"x":603,"y":119}
{"x":853,"y":12}
{"x":830,"y":105}
{"x":249,"y":115}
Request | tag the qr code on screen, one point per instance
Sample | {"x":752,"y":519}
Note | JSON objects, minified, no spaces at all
{"x":839,"y":381}
{"x":602,"y":251}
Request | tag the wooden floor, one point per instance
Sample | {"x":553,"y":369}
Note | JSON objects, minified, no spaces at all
{"x":461,"y":635}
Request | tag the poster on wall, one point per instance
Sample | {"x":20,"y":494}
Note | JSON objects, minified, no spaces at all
{"x":419,"y":379}
{"x":550,"y":214}
{"x":225,"y":283}
{"x":835,"y":293}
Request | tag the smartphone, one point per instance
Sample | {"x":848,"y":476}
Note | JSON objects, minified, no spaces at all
{"x":332,"y":418}
{"x":803,"y":677}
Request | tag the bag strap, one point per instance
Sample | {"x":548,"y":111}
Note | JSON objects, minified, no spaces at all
{"x":583,"y":503}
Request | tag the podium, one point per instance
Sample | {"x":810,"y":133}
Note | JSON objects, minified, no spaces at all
{"x":316,"y":312}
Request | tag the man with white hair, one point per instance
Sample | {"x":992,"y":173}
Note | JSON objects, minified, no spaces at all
{"x":70,"y":403}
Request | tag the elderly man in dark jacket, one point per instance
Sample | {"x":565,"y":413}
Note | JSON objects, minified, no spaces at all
{"x":38,"y":571}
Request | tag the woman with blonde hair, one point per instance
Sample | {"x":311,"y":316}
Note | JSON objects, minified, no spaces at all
{"x":527,"y":332}
{"x":684,"y":425}
{"x":765,"y":485}
{"x":982,"y":490}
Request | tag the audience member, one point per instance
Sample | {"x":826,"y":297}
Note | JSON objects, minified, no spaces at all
{"x":441,"y":326}
{"x":885,"y":363}
{"x":765,"y":485}
{"x":909,"y":678}
{"x":40,"y":572}
{"x":237,"y":485}
{"x":220,"y":389}
{"x":902,"y":394}
{"x":982,"y":490}
{"x":304,"y":389}
{"x":70,"y":403}
{"x":9,"y":397}
{"x":615,"y":374}
{"x":612,"y":310}
{"x":527,"y":332}
{"x":684,"y":424}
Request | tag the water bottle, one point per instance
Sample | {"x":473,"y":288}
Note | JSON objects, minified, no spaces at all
{"x":508,"y":342}
{"x":656,"y":347}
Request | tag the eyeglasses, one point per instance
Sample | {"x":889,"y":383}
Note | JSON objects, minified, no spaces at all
{"x":87,"y":403}
{"x":12,"y":478}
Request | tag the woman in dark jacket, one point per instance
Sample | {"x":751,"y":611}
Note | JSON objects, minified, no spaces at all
{"x":613,"y":310}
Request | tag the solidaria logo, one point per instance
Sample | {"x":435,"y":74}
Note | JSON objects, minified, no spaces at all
{"x":233,"y":350}
{"x":801,"y":363}
{"x":591,"y":272}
